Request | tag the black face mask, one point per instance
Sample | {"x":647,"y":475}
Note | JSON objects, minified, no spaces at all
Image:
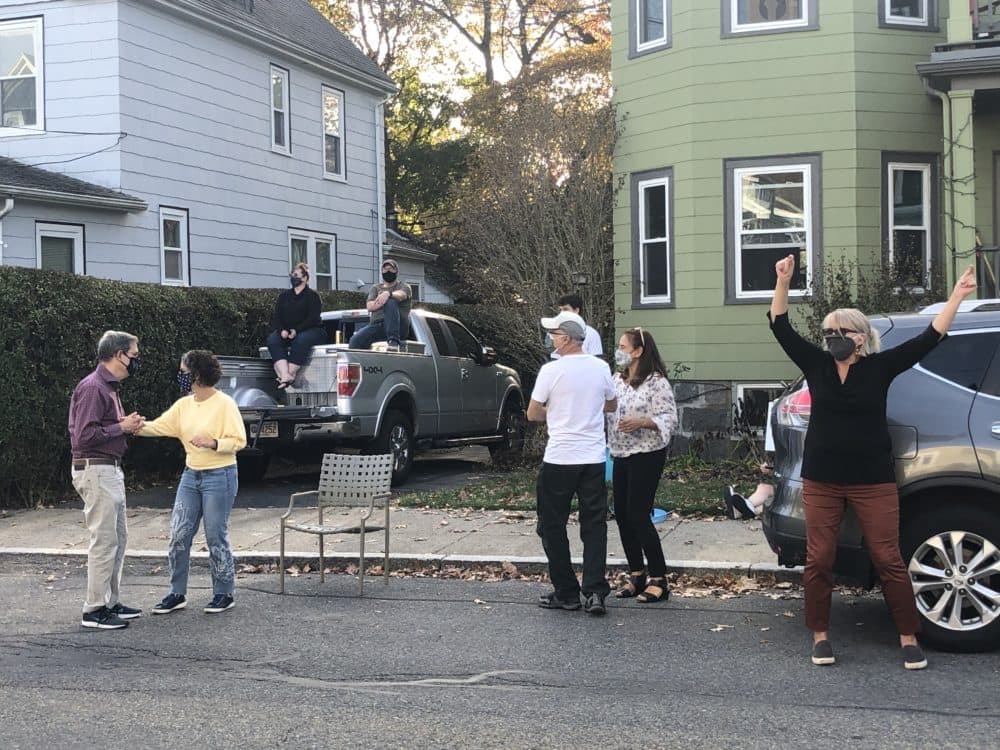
{"x":840,"y":347}
{"x":184,"y":381}
{"x":296,"y":281}
{"x":389,"y":276}
{"x":133,"y":365}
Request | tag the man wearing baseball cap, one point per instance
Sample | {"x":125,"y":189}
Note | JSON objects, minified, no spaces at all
{"x":389,"y":305}
{"x":571,"y":395}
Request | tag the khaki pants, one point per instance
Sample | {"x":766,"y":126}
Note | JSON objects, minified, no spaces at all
{"x":103,"y":491}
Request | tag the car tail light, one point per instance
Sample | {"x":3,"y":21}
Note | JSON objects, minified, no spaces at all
{"x":794,"y":410}
{"x":348,"y":378}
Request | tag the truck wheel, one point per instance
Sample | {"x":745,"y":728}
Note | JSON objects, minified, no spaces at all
{"x":252,"y":466}
{"x":512,"y":426}
{"x":953,"y":558}
{"x":396,"y":437}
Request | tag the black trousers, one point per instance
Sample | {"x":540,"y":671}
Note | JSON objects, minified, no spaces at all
{"x":635,"y":479}
{"x":557,"y":483}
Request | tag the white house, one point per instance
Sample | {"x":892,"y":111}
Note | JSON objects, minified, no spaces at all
{"x":189,"y":142}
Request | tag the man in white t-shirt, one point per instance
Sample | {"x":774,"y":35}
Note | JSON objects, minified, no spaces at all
{"x":571,"y":395}
{"x":592,"y":340}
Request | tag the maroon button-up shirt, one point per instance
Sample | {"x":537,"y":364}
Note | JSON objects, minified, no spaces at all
{"x":94,"y":414}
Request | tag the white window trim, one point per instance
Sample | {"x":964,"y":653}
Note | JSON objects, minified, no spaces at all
{"x":342,"y":175}
{"x":71,"y":231}
{"x":311,"y":239}
{"x":738,"y":28}
{"x":922,"y":20}
{"x":925,"y":189}
{"x":180,"y":215}
{"x":641,"y":46}
{"x":742,"y":388}
{"x":420,"y":290}
{"x":282,"y":107}
{"x":738,"y":232}
{"x":37,"y":32}
{"x":643,"y":241}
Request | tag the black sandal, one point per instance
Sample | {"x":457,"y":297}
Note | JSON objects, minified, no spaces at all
{"x":636,"y":583}
{"x":646,"y":597}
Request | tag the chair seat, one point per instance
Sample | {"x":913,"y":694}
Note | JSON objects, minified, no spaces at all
{"x":320,"y":528}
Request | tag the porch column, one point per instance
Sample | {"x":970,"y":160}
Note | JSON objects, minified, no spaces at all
{"x":960,"y":185}
{"x":959,"y":21}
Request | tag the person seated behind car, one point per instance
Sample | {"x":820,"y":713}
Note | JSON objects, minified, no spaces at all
{"x":389,"y":305}
{"x":296,"y":325}
{"x":748,"y":507}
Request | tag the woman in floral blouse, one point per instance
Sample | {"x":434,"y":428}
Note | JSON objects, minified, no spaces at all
{"x":638,"y":434}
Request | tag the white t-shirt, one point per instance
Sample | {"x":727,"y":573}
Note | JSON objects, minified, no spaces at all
{"x":574,"y":390}
{"x":591,"y":344}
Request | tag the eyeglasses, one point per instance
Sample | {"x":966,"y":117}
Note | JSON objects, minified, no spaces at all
{"x":838,"y":331}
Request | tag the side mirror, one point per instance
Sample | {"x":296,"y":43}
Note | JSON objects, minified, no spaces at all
{"x":488,"y":357}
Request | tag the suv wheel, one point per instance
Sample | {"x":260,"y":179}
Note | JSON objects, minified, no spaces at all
{"x":953,"y":558}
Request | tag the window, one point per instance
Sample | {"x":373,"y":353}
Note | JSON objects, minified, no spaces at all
{"x":174,"y":246}
{"x":652,"y":249}
{"x":750,"y":407}
{"x":908,"y":215}
{"x":280,"y":125}
{"x":913,"y":14}
{"x":415,"y":288}
{"x":333,"y":134}
{"x":319,"y":251}
{"x":742,"y":17}
{"x":441,"y":341}
{"x":465,"y":343}
{"x":22,"y":101}
{"x":962,"y":358}
{"x":649,"y":26}
{"x":772,"y":210}
{"x":59,"y":247}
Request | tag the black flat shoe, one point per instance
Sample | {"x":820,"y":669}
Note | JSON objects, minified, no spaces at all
{"x":636,"y":583}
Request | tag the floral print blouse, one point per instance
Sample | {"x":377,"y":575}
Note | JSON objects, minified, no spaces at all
{"x":654,"y":398}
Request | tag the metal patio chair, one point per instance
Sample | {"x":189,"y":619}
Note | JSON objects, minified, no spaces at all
{"x":345,"y":481}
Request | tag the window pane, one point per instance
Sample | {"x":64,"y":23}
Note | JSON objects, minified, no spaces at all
{"x":299,"y":250}
{"x":655,"y":275}
{"x":907,"y":8}
{"x":791,"y":240}
{"x":331,"y":113}
{"x":655,"y":212}
{"x":768,"y":11}
{"x":774,"y":200}
{"x":908,"y":247}
{"x":963,"y":359}
{"x":17,"y":53}
{"x":323,"y":264}
{"x":464,"y":341}
{"x":651,"y":23}
{"x":171,"y":233}
{"x":757,"y":268}
{"x":324,"y":283}
{"x":172,"y":264}
{"x":57,"y":253}
{"x":279,"y":128}
{"x":752,"y":406}
{"x":415,"y":289}
{"x":908,"y":198}
{"x":332,"y":155}
{"x":17,"y":102}
{"x":277,"y":91}
{"x":440,"y":340}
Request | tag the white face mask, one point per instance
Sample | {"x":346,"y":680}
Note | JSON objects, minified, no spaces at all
{"x":622,"y":359}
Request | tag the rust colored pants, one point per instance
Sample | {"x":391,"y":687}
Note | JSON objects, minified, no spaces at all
{"x":877,"y":508}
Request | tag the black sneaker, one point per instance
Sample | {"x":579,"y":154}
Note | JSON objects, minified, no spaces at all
{"x":551,"y":601}
{"x":220,"y":603}
{"x":104,"y":619}
{"x":125,"y":613}
{"x":822,"y":654}
{"x":913,"y":657}
{"x":593,"y":604}
{"x":169,"y":604}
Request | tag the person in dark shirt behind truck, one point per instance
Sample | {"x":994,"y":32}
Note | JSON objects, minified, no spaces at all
{"x":297,"y":327}
{"x":389,"y":305}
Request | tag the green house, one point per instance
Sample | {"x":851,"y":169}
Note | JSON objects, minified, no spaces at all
{"x":857,"y":129}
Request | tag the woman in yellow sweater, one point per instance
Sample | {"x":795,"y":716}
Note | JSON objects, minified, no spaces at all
{"x":209,"y":426}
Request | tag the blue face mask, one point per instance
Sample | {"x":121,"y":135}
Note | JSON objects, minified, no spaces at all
{"x":184,"y":381}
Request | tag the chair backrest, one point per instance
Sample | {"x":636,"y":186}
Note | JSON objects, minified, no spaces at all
{"x":348,"y":480}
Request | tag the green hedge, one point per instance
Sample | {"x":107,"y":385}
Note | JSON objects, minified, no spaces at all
{"x":49,"y":327}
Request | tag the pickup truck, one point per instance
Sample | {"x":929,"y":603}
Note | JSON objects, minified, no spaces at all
{"x":442,"y":389}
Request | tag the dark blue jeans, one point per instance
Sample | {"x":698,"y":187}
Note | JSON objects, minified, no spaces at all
{"x":392,"y":328}
{"x":297,"y":350}
{"x":557,"y":483}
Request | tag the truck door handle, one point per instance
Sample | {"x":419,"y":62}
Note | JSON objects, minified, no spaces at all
{"x":465,"y":374}
{"x":995,"y":429}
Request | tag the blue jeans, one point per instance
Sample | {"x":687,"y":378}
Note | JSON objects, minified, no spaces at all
{"x":392,"y":328}
{"x":209,"y":494}
{"x":297,"y":350}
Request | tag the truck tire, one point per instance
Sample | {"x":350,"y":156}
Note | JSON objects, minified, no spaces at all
{"x":937,"y":545}
{"x":512,"y":427}
{"x":396,"y":437}
{"x":252,"y":466}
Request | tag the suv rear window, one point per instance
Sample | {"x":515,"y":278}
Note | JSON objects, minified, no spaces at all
{"x":963,"y":358}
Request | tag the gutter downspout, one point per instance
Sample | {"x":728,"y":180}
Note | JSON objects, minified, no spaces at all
{"x":949,"y":169}
{"x":8,"y":206}
{"x":380,"y":145}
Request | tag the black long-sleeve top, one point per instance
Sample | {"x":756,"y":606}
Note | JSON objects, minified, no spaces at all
{"x":297,"y":311}
{"x":847,"y":441}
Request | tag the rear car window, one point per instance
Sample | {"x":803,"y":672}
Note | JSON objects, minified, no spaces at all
{"x":963,"y":358}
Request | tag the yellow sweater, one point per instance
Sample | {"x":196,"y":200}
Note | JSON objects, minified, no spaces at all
{"x":216,"y":417}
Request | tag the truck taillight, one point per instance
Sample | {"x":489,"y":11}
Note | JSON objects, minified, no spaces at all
{"x":795,"y":409}
{"x":348,"y":378}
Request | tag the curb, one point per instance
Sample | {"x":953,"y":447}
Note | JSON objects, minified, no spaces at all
{"x":533,"y":564}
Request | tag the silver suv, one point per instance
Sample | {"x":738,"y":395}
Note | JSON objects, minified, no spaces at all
{"x":944,"y":418}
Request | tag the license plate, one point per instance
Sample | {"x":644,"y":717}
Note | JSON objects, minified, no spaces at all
{"x":267,"y":430}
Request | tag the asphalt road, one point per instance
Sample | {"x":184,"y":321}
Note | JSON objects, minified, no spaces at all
{"x":456,"y":664}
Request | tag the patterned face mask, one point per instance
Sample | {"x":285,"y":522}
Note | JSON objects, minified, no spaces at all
{"x":622,"y":359}
{"x":184,"y":381}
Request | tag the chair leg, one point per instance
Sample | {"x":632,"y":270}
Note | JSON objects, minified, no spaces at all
{"x":385,"y":566}
{"x":281,"y":558}
{"x":361,"y":566}
{"x":322,"y":565}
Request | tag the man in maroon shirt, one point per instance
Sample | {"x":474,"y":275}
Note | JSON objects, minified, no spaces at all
{"x":97,"y":431}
